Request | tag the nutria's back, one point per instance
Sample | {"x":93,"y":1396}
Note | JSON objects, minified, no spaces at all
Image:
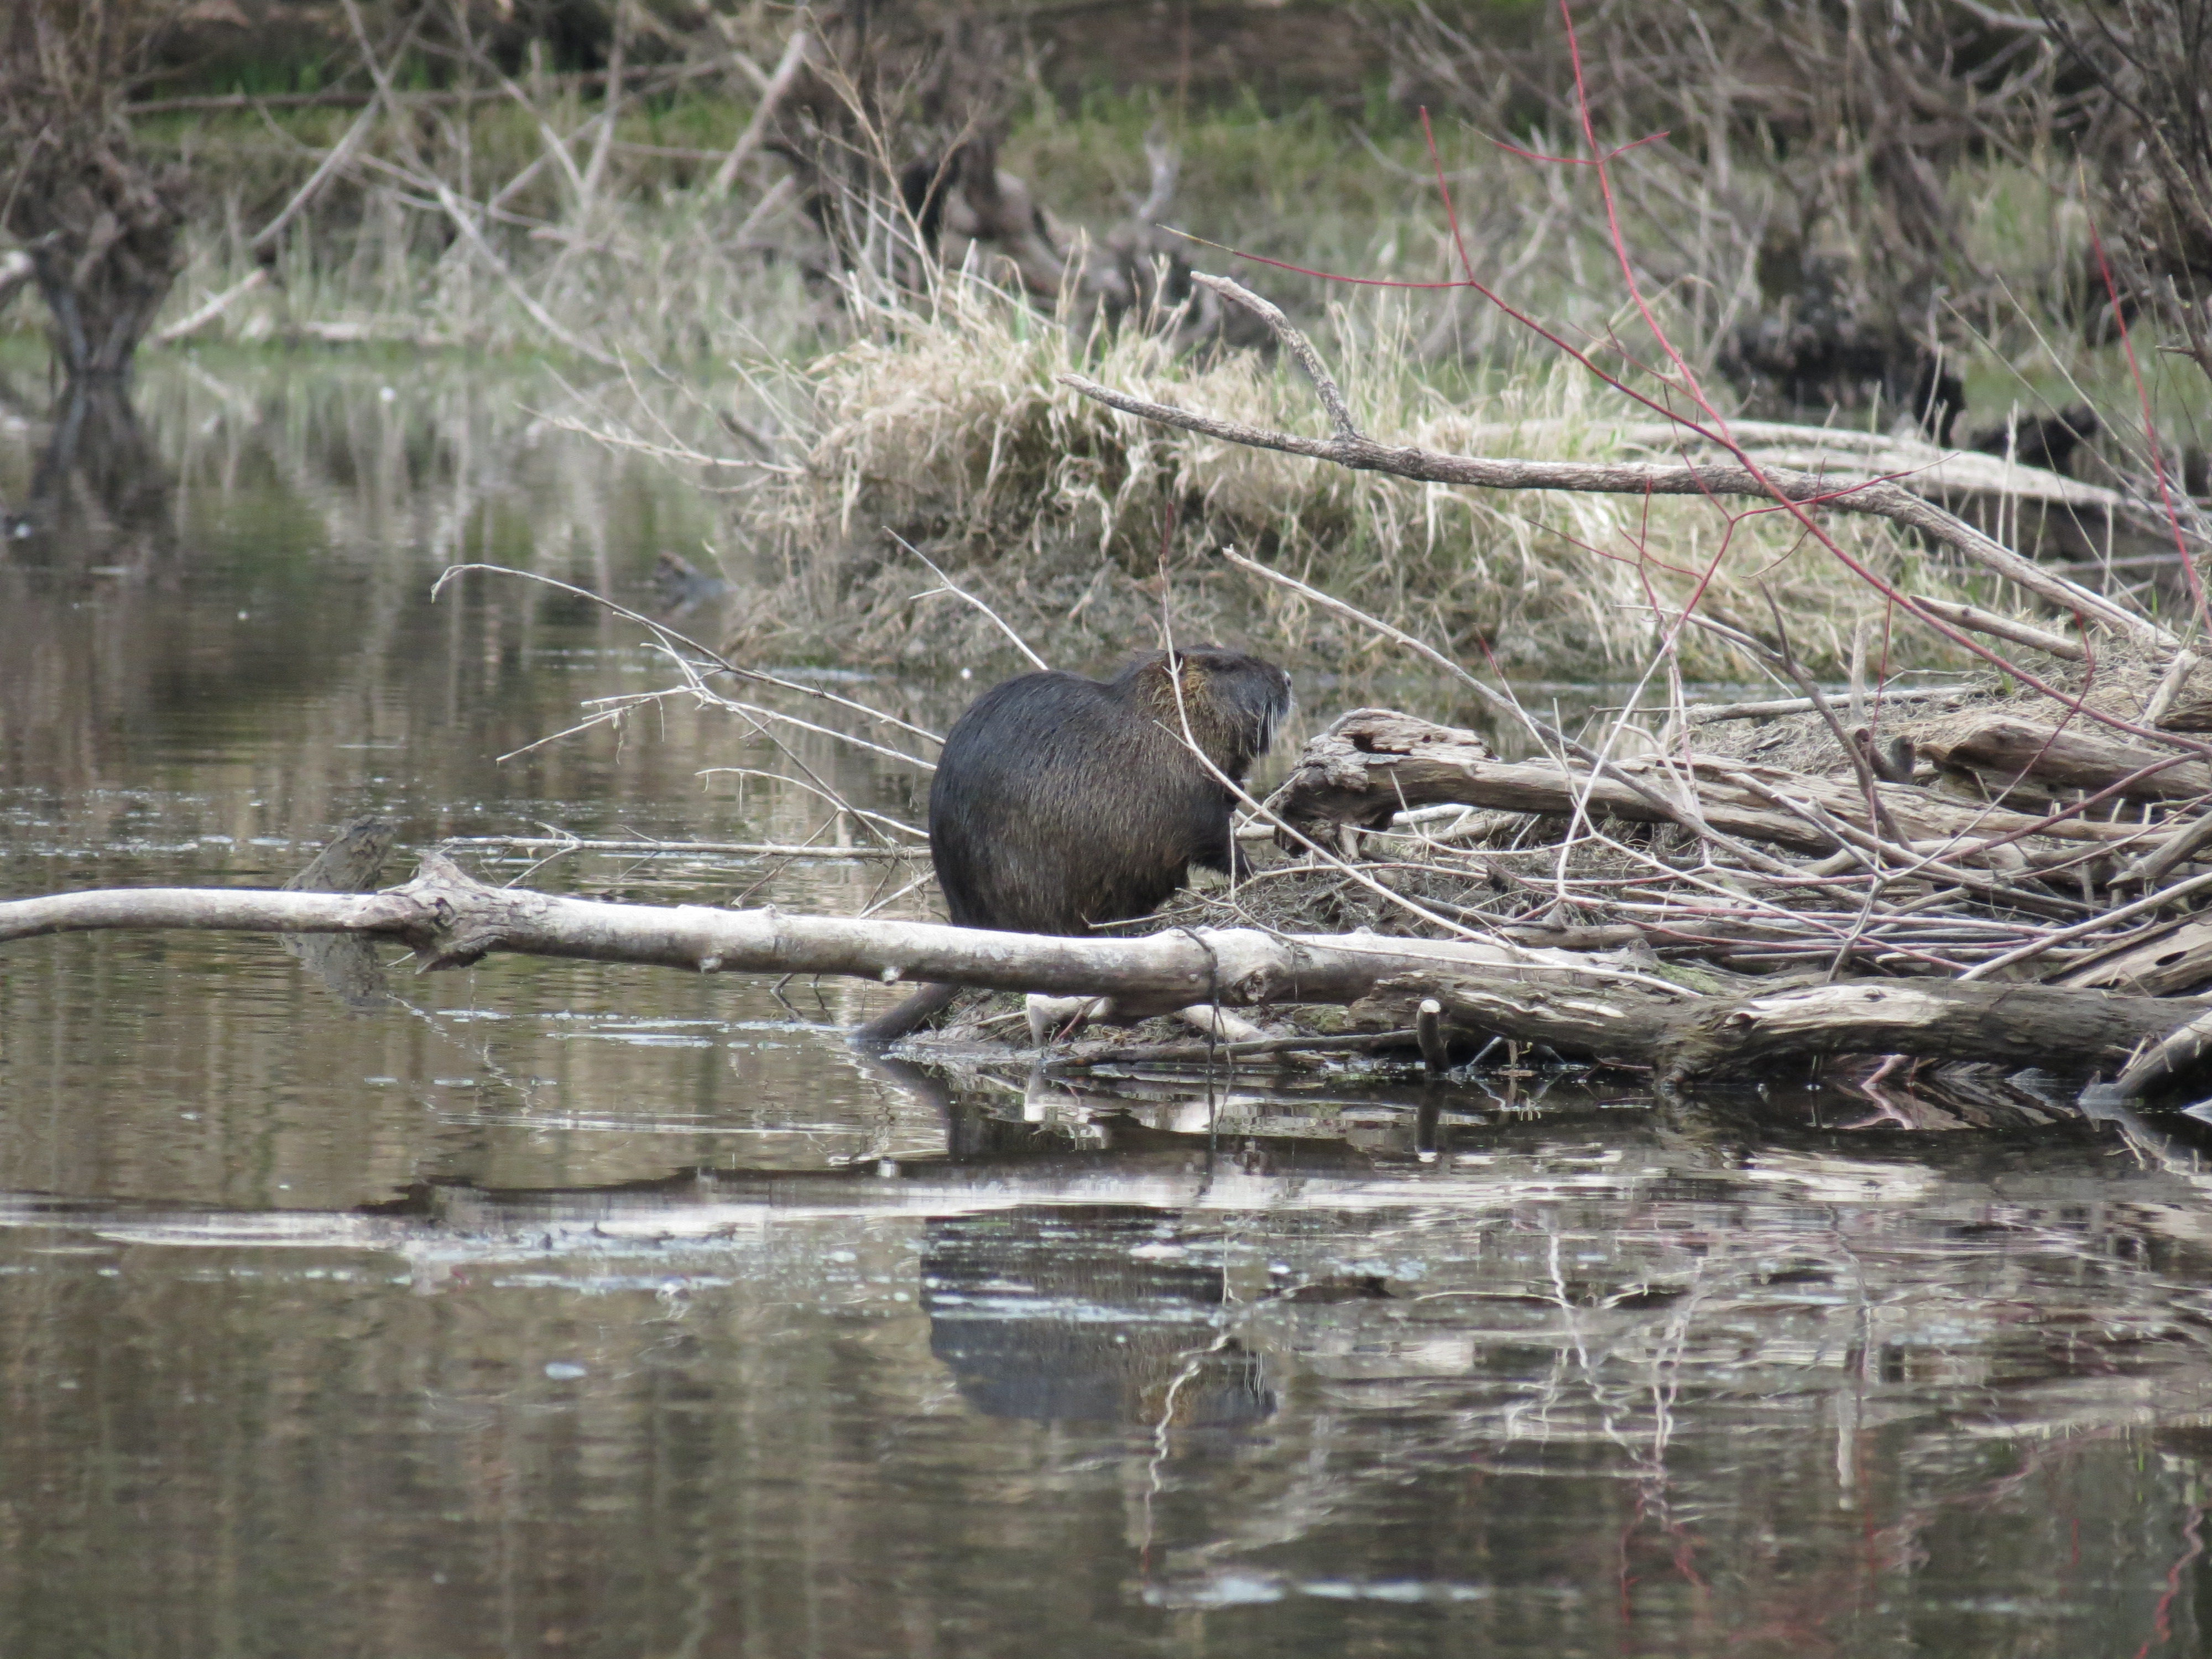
{"x":1060,"y":802}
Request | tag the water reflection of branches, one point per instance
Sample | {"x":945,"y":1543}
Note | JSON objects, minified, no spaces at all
{"x":99,"y":494}
{"x":675,"y":644}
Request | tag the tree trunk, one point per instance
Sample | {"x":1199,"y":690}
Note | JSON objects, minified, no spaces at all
{"x":100,"y":225}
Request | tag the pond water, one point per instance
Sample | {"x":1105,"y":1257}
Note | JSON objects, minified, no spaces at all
{"x":564,"y":1308}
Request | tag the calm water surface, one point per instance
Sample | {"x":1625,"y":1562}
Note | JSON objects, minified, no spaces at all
{"x":570,"y":1310}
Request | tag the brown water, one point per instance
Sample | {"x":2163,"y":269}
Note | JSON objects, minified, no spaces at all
{"x":559,"y":1308}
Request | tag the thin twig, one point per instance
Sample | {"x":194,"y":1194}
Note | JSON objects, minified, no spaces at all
{"x":685,"y":848}
{"x":960,"y":593}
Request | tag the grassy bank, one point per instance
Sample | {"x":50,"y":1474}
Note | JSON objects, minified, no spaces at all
{"x":826,"y":417}
{"x":946,"y":428}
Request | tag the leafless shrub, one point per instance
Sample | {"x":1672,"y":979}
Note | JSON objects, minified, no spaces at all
{"x":2150,"y":62}
{"x":100,"y":226}
{"x":1803,"y":205}
{"x":894,"y":127}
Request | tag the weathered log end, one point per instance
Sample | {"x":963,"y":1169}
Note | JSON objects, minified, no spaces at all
{"x":462,"y":917}
{"x":2064,"y":1029}
{"x":1370,"y":764}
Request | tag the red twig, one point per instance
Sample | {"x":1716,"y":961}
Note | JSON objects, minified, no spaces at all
{"x":1714,"y":428}
{"x":2150,"y":428}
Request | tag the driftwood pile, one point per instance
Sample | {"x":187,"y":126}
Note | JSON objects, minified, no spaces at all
{"x":2003,"y":880}
{"x":2022,"y":896}
{"x":2006,"y":880}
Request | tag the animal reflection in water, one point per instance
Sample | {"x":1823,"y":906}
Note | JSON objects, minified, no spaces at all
{"x":1097,"y":1314}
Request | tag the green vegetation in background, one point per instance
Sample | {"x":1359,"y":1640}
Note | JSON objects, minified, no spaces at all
{"x":1311,"y":187}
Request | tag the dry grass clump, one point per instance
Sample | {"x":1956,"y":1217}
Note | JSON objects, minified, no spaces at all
{"x":943,"y":425}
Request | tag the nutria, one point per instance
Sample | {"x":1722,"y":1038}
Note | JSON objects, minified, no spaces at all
{"x":1062,"y":803}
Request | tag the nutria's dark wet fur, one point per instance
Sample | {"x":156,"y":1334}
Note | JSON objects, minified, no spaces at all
{"x":1061,"y":803}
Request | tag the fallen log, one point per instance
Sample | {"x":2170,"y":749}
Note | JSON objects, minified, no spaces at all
{"x":1684,"y":1038}
{"x":1927,"y":1019}
{"x":1624,"y":1025}
{"x":1581,"y":1004}
{"x":451,"y":920}
{"x":2011,"y":749}
{"x":1370,"y":763}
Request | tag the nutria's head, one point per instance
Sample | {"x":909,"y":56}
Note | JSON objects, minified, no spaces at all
{"x":1234,"y":703}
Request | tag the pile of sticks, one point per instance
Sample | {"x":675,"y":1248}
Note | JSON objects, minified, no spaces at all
{"x":2049,"y":838}
{"x":1759,"y":867}
{"x":1988,"y":878}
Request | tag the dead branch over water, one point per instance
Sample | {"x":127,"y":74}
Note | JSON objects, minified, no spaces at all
{"x":1582,"y":1004}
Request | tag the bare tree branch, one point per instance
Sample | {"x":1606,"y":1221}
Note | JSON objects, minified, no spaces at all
{"x":1879,"y":498}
